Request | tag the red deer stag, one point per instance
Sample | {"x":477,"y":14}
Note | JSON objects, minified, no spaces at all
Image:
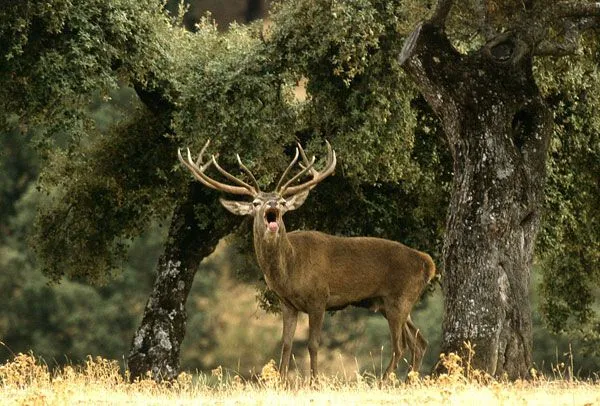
{"x":313,"y":272}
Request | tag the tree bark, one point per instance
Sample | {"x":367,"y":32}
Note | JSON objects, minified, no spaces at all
{"x":498,"y":128}
{"x":156,"y":344}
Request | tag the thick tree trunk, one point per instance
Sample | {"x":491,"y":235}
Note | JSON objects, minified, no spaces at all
{"x":156,"y":344}
{"x":497,"y":127}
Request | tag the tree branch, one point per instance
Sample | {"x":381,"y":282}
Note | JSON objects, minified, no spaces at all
{"x":483,"y":17}
{"x":557,"y":49}
{"x":570,"y":41}
{"x":155,"y":99}
{"x":441,"y":12}
{"x":578,"y":9}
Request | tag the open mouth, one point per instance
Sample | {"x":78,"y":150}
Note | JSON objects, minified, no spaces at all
{"x":271,"y":219}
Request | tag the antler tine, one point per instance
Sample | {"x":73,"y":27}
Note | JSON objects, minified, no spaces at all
{"x":277,"y":188}
{"x":298,"y":175}
{"x":199,"y":174}
{"x":317,"y":176}
{"x":247,"y":172}
{"x":313,"y":171}
{"x":196,"y":171}
{"x":201,"y":154}
{"x":231,"y":177}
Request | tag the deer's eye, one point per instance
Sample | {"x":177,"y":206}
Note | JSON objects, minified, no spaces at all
{"x":256,"y":203}
{"x":283,"y":202}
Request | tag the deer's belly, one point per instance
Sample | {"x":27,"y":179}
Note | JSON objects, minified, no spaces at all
{"x":372,"y":303}
{"x":304,"y":300}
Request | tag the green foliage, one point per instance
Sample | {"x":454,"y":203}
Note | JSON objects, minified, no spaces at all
{"x":233,"y":97}
{"x":100,"y":197}
{"x":18,"y":166}
{"x":105,"y":187}
{"x":55,"y":58}
{"x":54,"y":54}
{"x":358,"y":97}
{"x":569,"y":245}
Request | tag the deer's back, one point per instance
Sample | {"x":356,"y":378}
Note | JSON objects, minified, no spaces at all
{"x":371,"y":264}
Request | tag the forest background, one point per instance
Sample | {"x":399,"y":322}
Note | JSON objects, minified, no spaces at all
{"x":65,"y":322}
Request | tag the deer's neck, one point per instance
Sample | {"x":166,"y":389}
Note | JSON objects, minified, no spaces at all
{"x":274,"y":256}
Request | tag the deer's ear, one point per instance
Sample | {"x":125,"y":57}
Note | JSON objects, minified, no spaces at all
{"x":239,"y":208}
{"x":296,"y":200}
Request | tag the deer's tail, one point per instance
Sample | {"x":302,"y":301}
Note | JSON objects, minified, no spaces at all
{"x":429,"y":269}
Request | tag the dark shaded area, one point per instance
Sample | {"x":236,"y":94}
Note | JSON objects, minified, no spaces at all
{"x":224,"y":12}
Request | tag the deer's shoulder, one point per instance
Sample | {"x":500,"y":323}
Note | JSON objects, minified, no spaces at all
{"x":303,"y":236}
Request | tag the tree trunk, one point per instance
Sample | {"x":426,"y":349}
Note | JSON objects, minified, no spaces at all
{"x":497,"y":127}
{"x":255,"y":9}
{"x":156,"y":344}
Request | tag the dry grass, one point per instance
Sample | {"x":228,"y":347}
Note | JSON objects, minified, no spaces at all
{"x":27,"y":381}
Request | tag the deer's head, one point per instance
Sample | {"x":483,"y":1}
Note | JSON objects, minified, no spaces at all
{"x":267,"y":208}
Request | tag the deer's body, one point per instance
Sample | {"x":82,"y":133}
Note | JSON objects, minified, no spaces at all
{"x":342,"y":271}
{"x":313,"y":272}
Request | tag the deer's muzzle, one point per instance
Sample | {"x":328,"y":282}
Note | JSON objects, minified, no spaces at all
{"x":271,"y":216}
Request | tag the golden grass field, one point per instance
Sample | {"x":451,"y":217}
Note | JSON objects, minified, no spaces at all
{"x":27,"y":381}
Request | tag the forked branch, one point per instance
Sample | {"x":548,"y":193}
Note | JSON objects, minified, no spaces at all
{"x":441,"y":12}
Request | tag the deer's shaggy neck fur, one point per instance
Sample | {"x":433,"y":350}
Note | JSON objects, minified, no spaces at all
{"x":273,"y":251}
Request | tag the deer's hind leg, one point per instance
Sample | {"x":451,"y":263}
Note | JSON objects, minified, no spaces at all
{"x":414,"y":340}
{"x":396,"y":311}
{"x":315,"y":323}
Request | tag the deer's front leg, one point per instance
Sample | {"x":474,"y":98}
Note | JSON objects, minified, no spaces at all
{"x":290,"y":319}
{"x":315,"y":322}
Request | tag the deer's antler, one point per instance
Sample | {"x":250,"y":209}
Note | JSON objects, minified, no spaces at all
{"x":198,"y":167}
{"x":287,"y":190}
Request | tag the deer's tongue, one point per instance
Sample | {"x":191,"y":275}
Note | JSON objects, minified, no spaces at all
{"x":273,"y":226}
